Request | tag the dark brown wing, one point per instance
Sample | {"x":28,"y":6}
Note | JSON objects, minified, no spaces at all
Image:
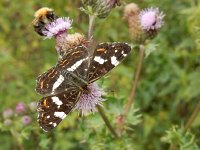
{"x":106,"y":56}
{"x":72,"y":66}
{"x":53,"y":109}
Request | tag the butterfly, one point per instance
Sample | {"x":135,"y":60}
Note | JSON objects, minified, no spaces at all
{"x":63,"y":84}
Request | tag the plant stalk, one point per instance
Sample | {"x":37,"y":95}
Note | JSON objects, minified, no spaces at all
{"x":134,"y":87}
{"x":189,"y":122}
{"x":91,"y":26}
{"x":100,"y":109}
{"x":135,"y":83}
{"x":107,"y":122}
{"x":192,"y":117}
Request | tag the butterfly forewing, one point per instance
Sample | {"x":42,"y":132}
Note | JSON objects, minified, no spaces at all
{"x":53,"y":109}
{"x":65,"y":82}
{"x":106,"y":56}
{"x":72,"y":66}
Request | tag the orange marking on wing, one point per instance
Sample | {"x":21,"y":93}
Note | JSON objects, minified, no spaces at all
{"x":45,"y":103}
{"x":75,"y":52}
{"x":100,"y":50}
{"x":51,"y":75}
{"x":42,"y":85}
{"x":62,"y":63}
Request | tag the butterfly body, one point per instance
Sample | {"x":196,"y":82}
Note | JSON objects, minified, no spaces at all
{"x":64,"y":83}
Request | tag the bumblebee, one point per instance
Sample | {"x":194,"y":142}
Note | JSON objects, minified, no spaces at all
{"x":42,"y":17}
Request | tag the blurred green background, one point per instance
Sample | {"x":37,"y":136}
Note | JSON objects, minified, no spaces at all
{"x":168,"y":90}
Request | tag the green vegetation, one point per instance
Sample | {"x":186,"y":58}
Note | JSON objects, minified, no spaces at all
{"x":166,"y":96}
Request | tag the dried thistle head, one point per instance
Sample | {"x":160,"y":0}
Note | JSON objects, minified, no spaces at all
{"x":73,"y":40}
{"x":65,"y":42}
{"x":131,"y":10}
{"x":131,"y":14}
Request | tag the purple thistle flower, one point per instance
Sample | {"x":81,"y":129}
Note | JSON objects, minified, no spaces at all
{"x":26,"y":120}
{"x":20,"y":108}
{"x":89,"y":101}
{"x":151,"y":19}
{"x":59,"y":26}
{"x":7,"y":122}
{"x":7,"y":113}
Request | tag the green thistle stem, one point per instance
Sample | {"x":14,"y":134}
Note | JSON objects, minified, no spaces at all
{"x":91,"y":26}
{"x":192,"y":117}
{"x":134,"y":87}
{"x":189,"y":122}
{"x":135,"y":83}
{"x":100,"y":109}
{"x":107,"y":123}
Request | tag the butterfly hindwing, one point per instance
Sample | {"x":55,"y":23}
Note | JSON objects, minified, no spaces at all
{"x":106,"y":56}
{"x":73,"y":65}
{"x":53,"y":109}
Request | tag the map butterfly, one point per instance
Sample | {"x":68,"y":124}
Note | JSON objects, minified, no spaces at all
{"x":63,"y":84}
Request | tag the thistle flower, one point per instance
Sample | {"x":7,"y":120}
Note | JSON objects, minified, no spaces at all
{"x":89,"y":101}
{"x":26,"y":120}
{"x":7,"y":113}
{"x":33,"y":106}
{"x":7,"y":122}
{"x":151,"y":20}
{"x":99,"y":8}
{"x":143,"y":24}
{"x":20,"y":108}
{"x":57,"y":27}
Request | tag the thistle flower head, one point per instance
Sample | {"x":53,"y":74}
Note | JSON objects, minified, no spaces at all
{"x":151,"y":19}
{"x":20,"y":108}
{"x":26,"y":120}
{"x":131,"y":10}
{"x":73,"y":40}
{"x":131,"y":14}
{"x":7,"y":113}
{"x":59,"y":26}
{"x":7,"y":122}
{"x":65,"y":42}
{"x":88,"y":101}
{"x":33,"y":106}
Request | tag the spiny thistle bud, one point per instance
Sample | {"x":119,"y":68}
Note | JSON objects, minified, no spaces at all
{"x":99,"y":8}
{"x":131,"y":14}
